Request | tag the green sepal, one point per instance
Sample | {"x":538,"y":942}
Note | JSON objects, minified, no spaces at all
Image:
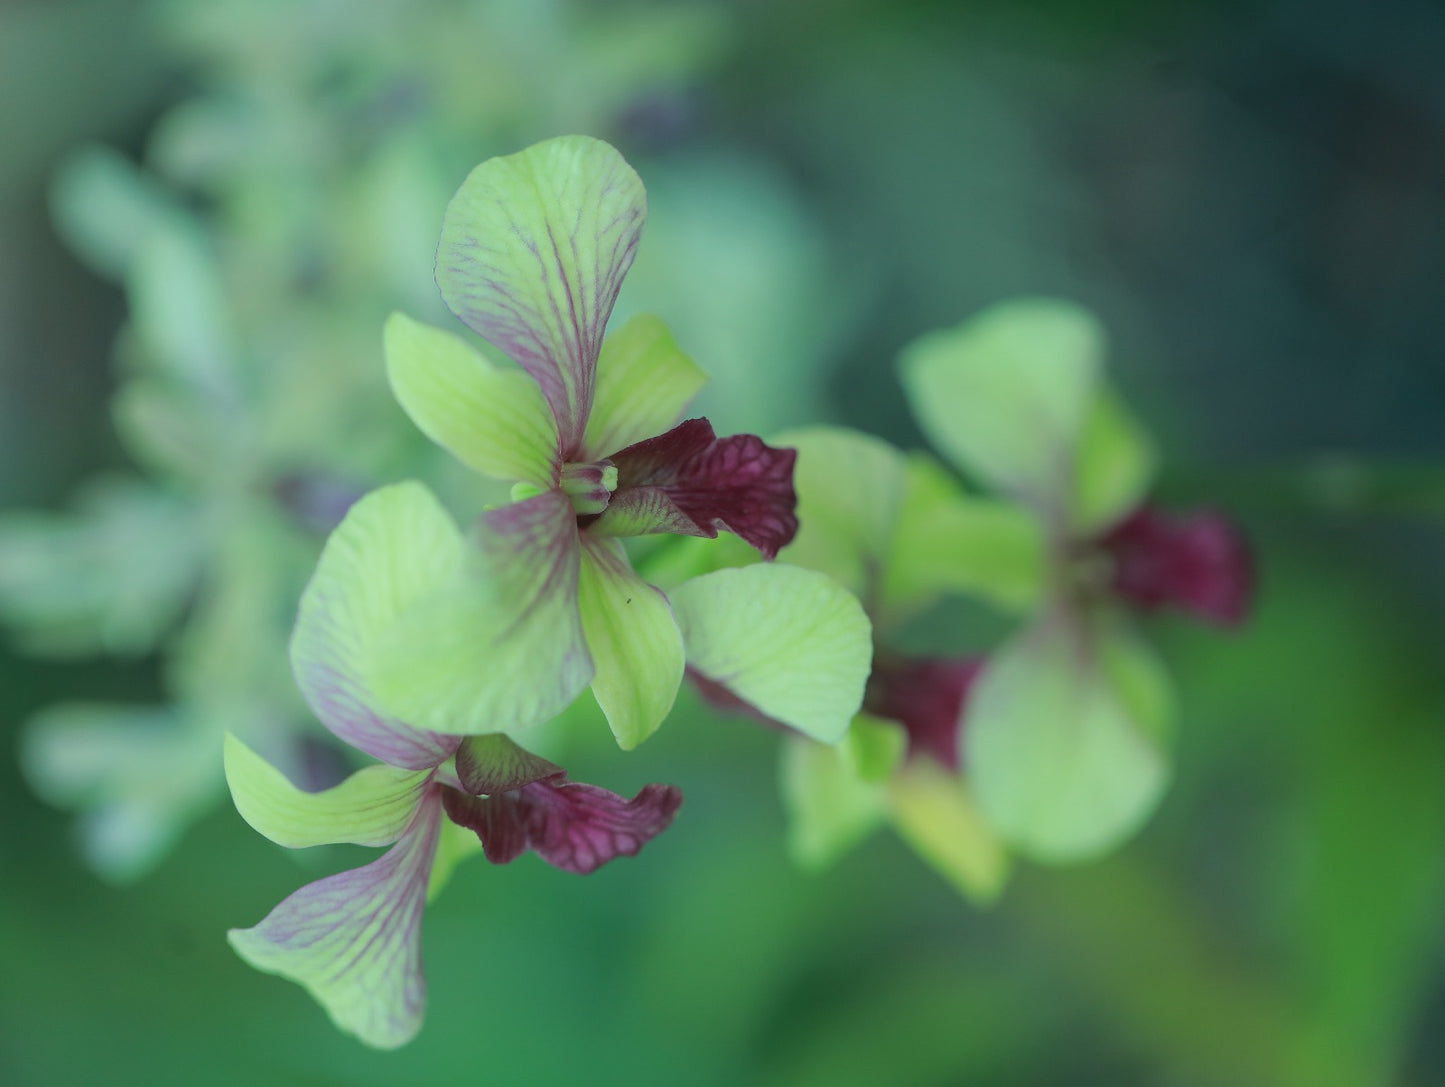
{"x":1116,"y":462}
{"x":831,"y":808}
{"x":371,"y":807}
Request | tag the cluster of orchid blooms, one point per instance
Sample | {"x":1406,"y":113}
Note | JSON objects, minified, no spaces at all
{"x":435,"y":649}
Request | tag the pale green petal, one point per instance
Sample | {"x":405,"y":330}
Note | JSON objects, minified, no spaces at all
{"x":850,"y":486}
{"x":791,"y":642}
{"x":947,"y":540}
{"x":933,"y":811}
{"x":491,"y":419}
{"x":1004,"y":394}
{"x":395,"y":548}
{"x":1064,"y":738}
{"x":644,"y":383}
{"x":1116,"y":462}
{"x":371,"y":807}
{"x":533,"y":250}
{"x":831,"y":808}
{"x":354,"y":939}
{"x":634,"y":642}
{"x":501,"y":645}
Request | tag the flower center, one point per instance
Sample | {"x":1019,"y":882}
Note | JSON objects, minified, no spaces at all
{"x":589,"y":486}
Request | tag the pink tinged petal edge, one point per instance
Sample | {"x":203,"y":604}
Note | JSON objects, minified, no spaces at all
{"x":574,"y":827}
{"x":328,"y":645}
{"x":691,"y":482}
{"x":533,"y":252}
{"x":926,"y":696}
{"x":722,"y":699}
{"x":1197,"y":562}
{"x":353,"y":940}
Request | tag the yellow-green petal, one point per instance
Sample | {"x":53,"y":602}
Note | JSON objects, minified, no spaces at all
{"x":791,"y":642}
{"x":371,"y":807}
{"x":644,"y":384}
{"x":934,"y":812}
{"x":1115,"y":464}
{"x":634,"y":641}
{"x":1004,"y":394}
{"x":831,"y":807}
{"x":491,"y":419}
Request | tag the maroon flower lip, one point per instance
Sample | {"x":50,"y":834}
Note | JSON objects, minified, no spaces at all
{"x":1196,"y":562}
{"x":926,"y":696}
{"x":691,"y":482}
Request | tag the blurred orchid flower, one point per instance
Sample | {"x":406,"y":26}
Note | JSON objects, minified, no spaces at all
{"x":354,"y":939}
{"x":533,"y":251}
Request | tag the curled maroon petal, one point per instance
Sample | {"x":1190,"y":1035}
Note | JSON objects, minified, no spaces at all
{"x":1197,"y":562}
{"x":925,"y":695}
{"x":691,"y":482}
{"x":574,"y":827}
{"x":496,"y":764}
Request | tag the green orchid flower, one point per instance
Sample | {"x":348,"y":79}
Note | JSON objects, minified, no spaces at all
{"x":545,"y":602}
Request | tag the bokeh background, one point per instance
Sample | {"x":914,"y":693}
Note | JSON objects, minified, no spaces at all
{"x":1251,"y":195}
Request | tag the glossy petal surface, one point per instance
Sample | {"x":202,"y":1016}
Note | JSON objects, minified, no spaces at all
{"x":490,"y":419}
{"x":644,"y":384}
{"x":791,"y":642}
{"x":1004,"y":395}
{"x":501,"y":646}
{"x":634,"y":641}
{"x":371,"y":807}
{"x":354,"y":939}
{"x":394,"y":548}
{"x":693,"y":483}
{"x":533,"y":250}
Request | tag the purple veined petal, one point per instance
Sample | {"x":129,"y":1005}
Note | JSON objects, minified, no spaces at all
{"x":926,"y":696}
{"x":691,"y":482}
{"x":1197,"y":562}
{"x":353,"y":940}
{"x":533,"y":250}
{"x":502,"y":647}
{"x":574,"y":827}
{"x":394,"y":547}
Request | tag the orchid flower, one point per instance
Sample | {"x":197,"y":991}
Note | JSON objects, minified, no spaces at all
{"x":534,"y":247}
{"x":354,"y":939}
{"x":1066,"y":728}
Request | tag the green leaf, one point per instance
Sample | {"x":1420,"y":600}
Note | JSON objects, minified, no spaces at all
{"x":371,"y":807}
{"x":533,"y":250}
{"x":831,"y":808}
{"x":1115,"y":464}
{"x":634,"y":641}
{"x":1004,"y":395}
{"x":791,"y":642}
{"x":491,"y":419}
{"x":110,"y":577}
{"x":934,"y":812}
{"x":948,"y":541}
{"x":644,"y":384}
{"x":1064,"y":738}
{"x":106,"y":208}
{"x":849,"y":488}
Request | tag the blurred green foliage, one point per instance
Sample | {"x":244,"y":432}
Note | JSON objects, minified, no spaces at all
{"x":1250,"y":194}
